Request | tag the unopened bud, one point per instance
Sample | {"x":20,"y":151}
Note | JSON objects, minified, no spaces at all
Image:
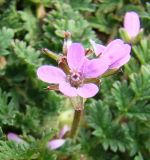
{"x":67,"y":35}
{"x":41,"y":13}
{"x":67,"y":42}
{"x":14,"y":137}
{"x":131,"y":33}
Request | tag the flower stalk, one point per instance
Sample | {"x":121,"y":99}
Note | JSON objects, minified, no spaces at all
{"x":76,"y":121}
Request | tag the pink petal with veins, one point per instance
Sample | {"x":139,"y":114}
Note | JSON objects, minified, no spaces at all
{"x":95,"y":67}
{"x":51,"y":74}
{"x":88,"y":90}
{"x":75,"y":56}
{"x":132,"y":23}
{"x":67,"y":89}
{"x":122,"y":60}
{"x":115,"y":50}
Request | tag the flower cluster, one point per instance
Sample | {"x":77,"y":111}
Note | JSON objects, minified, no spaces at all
{"x":79,"y":75}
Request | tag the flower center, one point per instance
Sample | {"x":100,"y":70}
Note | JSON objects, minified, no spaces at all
{"x":75,"y":76}
{"x":75,"y":79}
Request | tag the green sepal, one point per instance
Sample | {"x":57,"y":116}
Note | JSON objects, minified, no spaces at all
{"x":124,"y":35}
{"x":139,"y":37}
{"x":110,"y":72}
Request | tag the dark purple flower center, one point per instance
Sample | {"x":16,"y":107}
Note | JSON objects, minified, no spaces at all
{"x":75,"y":76}
{"x":75,"y":79}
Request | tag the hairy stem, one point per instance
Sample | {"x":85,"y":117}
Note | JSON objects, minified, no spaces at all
{"x":76,"y":121}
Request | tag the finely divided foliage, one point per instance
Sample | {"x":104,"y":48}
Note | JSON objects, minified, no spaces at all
{"x":116,"y":122}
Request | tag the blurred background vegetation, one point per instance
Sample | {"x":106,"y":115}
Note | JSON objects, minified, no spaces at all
{"x":116,"y":122}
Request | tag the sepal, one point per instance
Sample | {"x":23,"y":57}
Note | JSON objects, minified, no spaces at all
{"x":126,"y":37}
{"x":110,"y":72}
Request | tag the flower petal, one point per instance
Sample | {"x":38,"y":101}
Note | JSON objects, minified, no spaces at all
{"x":14,"y":137}
{"x":115,"y":50}
{"x":75,"y":56}
{"x":95,"y":67}
{"x":132,"y":23}
{"x":98,"y":49}
{"x":120,"y":62}
{"x":55,"y":143}
{"x":123,"y":60}
{"x":67,"y":89}
{"x":64,"y":130}
{"x":88,"y":90}
{"x":50,"y":74}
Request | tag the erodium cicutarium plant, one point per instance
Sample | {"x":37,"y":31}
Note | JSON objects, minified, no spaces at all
{"x":78,"y":74}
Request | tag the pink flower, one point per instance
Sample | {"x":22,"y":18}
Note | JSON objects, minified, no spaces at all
{"x":14,"y":137}
{"x":80,"y":68}
{"x":132,"y":24}
{"x":64,"y":130}
{"x":117,"y":51}
{"x":57,"y":143}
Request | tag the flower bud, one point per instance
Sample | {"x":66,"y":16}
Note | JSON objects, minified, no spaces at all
{"x":14,"y":137}
{"x":131,"y":32}
{"x":67,"y":42}
{"x":55,"y":143}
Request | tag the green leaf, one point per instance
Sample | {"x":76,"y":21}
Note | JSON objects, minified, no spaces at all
{"x":64,"y":18}
{"x":8,"y":109}
{"x":109,"y":5}
{"x":30,"y":25}
{"x":23,"y":151}
{"x":10,"y":17}
{"x":87,"y":5}
{"x":6,"y":36}
{"x":26,"y":53}
{"x":122,"y":95}
{"x":142,"y":51}
{"x":141,"y":83}
{"x":107,"y":131}
{"x":138,"y":157}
